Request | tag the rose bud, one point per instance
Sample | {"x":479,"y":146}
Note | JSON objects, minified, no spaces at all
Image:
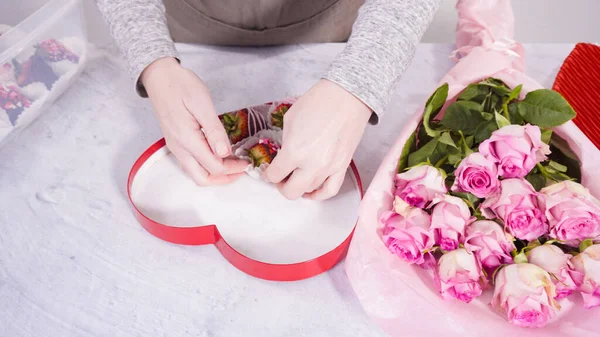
{"x":476,"y":175}
{"x":449,"y":218}
{"x":408,"y":236}
{"x":553,"y":260}
{"x":586,"y":274}
{"x":459,"y":276}
{"x":490,"y":244}
{"x":525,"y":293}
{"x":573,"y":213}
{"x":518,"y":205}
{"x":516,"y":149}
{"x":420,"y":185}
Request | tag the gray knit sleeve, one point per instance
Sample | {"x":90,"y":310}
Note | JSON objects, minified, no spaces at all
{"x":139,"y":29}
{"x":383,"y":42}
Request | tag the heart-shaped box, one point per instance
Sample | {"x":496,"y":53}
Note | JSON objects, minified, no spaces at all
{"x":255,"y":228}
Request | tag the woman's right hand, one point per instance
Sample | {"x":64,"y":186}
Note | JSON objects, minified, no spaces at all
{"x":189,"y":123}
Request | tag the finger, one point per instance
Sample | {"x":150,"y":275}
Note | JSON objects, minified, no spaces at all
{"x":280,"y":167}
{"x":297,"y":185}
{"x":224,"y":180}
{"x":235,"y":166}
{"x":196,"y":144}
{"x":330,"y":188}
{"x":317,"y":183}
{"x":193,"y":169}
{"x":205,"y":114}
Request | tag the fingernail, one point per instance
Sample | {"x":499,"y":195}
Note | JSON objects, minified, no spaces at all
{"x":222,"y":149}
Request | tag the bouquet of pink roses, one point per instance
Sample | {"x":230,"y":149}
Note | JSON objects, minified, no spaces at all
{"x":488,"y":197}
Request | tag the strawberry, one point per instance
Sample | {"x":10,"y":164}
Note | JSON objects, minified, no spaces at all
{"x":263,"y":152}
{"x":236,"y":125}
{"x":54,"y":51}
{"x":35,"y":69}
{"x":277,"y":115}
{"x":13,"y":101}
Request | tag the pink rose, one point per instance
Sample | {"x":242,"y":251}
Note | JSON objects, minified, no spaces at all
{"x":476,"y":175}
{"x":459,"y":276}
{"x":408,"y":236}
{"x":490,"y":244}
{"x":449,"y":218}
{"x":553,"y":260}
{"x":517,"y":204}
{"x":525,"y":293}
{"x":586,"y":274}
{"x":420,"y":185}
{"x":516,"y":149}
{"x":573,"y":213}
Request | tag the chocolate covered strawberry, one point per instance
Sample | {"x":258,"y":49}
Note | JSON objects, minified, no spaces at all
{"x":279,"y":113}
{"x":236,"y":125}
{"x":13,"y":102}
{"x":35,"y":69}
{"x":263,"y":152}
{"x":54,"y":51}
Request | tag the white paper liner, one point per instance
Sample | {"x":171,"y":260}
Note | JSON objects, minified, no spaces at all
{"x":272,"y":107}
{"x":28,"y":115}
{"x":7,"y":73}
{"x":5,"y":125}
{"x":35,"y":91}
{"x":76,"y":46}
{"x":80,"y":49}
{"x":241,"y":150}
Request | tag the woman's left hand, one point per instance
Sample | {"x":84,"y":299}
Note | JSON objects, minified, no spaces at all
{"x":321,"y":132}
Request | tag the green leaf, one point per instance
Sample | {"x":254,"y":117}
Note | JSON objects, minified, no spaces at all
{"x":487,"y":116}
{"x":454,"y":156}
{"x":499,"y":88}
{"x":513,"y":113}
{"x":501,"y":121}
{"x":433,"y":107}
{"x":469,"y":141}
{"x":475,"y":93}
{"x":545,"y":108}
{"x":409,"y":147}
{"x":514,"y":94}
{"x":463,"y":116}
{"x":484,"y":130}
{"x":423,"y":153}
{"x":495,"y":102}
{"x":520,"y":258}
{"x":585,"y":244}
{"x":546,"y":135}
{"x":422,"y":136}
{"x":445,"y":138}
{"x":558,"y":167}
{"x":466,"y":144}
{"x":537,"y":180}
{"x":557,"y":176}
{"x":562,"y":153}
{"x":471,"y":200}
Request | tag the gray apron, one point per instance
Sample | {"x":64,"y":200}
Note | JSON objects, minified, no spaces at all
{"x":260,"y":22}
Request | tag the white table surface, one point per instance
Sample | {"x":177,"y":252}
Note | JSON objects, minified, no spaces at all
{"x":73,"y":259}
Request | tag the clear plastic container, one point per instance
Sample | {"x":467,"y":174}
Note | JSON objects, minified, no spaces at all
{"x":39,"y":59}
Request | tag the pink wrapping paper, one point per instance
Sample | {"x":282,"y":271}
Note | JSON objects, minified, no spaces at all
{"x":401,"y":298}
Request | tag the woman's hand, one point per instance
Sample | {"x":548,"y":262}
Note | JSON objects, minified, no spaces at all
{"x":190,"y":125}
{"x":321,"y":132}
